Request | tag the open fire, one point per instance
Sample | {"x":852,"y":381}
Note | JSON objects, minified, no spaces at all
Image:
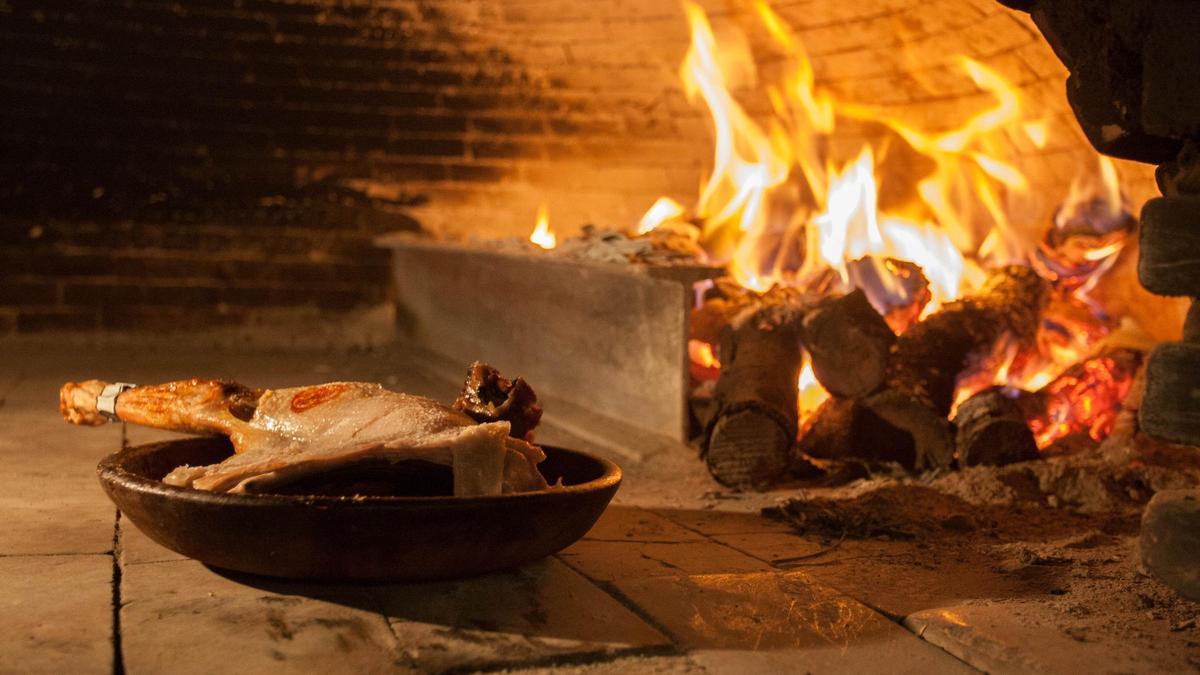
{"x":915,"y":219}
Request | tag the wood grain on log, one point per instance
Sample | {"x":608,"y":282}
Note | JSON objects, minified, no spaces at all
{"x":843,"y":428}
{"x":749,"y":440}
{"x":849,"y":344}
{"x":931,"y":434}
{"x":930,"y":356}
{"x":991,"y":430}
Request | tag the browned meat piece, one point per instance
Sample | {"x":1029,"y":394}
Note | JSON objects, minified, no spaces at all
{"x":191,"y":406}
{"x":285,"y":436}
{"x":488,"y":397}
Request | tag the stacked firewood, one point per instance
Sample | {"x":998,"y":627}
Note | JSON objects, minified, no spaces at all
{"x":891,"y":394}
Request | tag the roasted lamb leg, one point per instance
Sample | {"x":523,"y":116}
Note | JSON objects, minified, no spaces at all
{"x":282,"y":435}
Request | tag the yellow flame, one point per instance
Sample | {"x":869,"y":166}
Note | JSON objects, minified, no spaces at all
{"x":788,"y":202}
{"x":1037,"y":132}
{"x":1110,"y":184}
{"x":812,"y":394}
{"x":747,"y":161}
{"x":661,"y":211}
{"x":542,"y":235}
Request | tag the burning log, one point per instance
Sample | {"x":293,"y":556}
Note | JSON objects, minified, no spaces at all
{"x":929,"y":432}
{"x":910,"y":401}
{"x":930,"y":355}
{"x":849,"y":344}
{"x":843,"y":428}
{"x":992,"y":430}
{"x":1085,"y":398}
{"x":901,"y":289}
{"x":749,"y":440}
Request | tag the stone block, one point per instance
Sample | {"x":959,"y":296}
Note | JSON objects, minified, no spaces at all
{"x":1028,"y":636}
{"x":1170,"y":540}
{"x":539,"y":611}
{"x":712,"y":522}
{"x":1171,"y":406}
{"x":56,"y":614}
{"x":1169,"y":262}
{"x":1170,"y":68}
{"x":625,"y":523}
{"x":183,"y":617}
{"x":761,"y":611}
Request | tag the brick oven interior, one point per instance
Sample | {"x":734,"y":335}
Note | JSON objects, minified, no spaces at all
{"x":214,"y":189}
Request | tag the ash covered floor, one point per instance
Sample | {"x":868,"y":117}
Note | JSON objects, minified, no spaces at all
{"x":679,"y":576}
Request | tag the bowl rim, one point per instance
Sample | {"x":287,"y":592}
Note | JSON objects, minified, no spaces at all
{"x":112,"y":471}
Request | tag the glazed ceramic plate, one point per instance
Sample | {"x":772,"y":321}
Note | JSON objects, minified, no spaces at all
{"x":355,"y":538}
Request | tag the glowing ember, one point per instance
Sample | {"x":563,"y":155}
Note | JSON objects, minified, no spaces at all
{"x":1086,"y":398}
{"x":542,"y":235}
{"x":701,"y":353}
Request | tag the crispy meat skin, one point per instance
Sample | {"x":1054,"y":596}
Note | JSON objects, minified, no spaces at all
{"x":283,"y":435}
{"x":488,"y":397}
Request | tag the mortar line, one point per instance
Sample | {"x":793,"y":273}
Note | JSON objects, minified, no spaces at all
{"x":118,"y":667}
{"x":567,"y":659}
{"x":921,"y":636}
{"x":626,"y":602}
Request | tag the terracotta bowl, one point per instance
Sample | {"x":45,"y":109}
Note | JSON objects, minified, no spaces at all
{"x":355,"y":538}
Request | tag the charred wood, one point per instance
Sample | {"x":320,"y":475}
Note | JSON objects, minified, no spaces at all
{"x":750,"y":437}
{"x":849,"y":344}
{"x":992,"y":430}
{"x":842,"y":428}
{"x":930,"y":356}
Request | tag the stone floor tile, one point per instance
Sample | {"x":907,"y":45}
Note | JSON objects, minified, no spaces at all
{"x":1026,"y":636}
{"x":538,"y":611}
{"x":916,"y":579}
{"x":717,"y":521}
{"x":756,"y":611}
{"x":43,"y":516}
{"x":607,"y":561}
{"x":35,"y":439}
{"x":56,"y":614}
{"x":182,"y":617}
{"x":627,"y":523}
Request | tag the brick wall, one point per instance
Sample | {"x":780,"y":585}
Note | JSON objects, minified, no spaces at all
{"x":164,"y":161}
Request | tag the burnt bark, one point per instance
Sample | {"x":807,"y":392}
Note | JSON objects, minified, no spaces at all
{"x":842,"y":428}
{"x":849,"y":344}
{"x":930,"y":356}
{"x":910,"y":402}
{"x":992,"y":431}
{"x":749,"y":440}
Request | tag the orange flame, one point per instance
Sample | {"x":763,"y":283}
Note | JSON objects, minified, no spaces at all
{"x":542,"y":235}
{"x":660,"y":212}
{"x":812,"y":394}
{"x":785,"y":203}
